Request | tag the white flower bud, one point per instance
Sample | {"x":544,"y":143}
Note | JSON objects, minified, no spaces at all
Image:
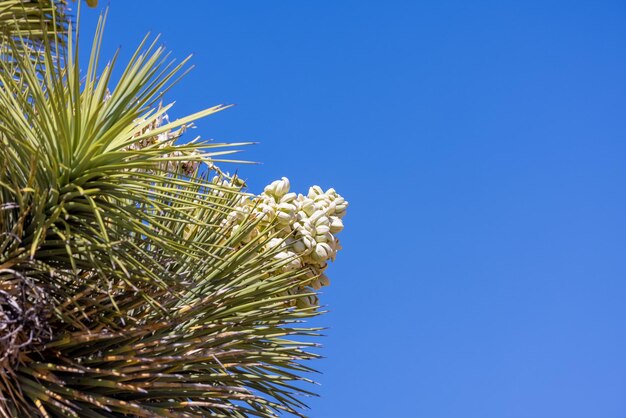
{"x":330,"y":209}
{"x":322,"y":200}
{"x":300,"y":216}
{"x":315,"y":191}
{"x":308,"y":241}
{"x":322,"y":252}
{"x":283,"y":217}
{"x":285,"y":213}
{"x":266,"y":211}
{"x":322,"y":221}
{"x":336,"y":225}
{"x":289,"y":197}
{"x":308,"y":207}
{"x":287,"y":207}
{"x":274,"y":242}
{"x":292,"y":261}
{"x":295,"y":262}
{"x":281,"y":255}
{"x":322,"y":229}
{"x":283,"y":187}
{"x":271,"y":188}
{"x":299,"y":246}
{"x":327,"y":237}
{"x":340,"y":210}
{"x":278,"y":188}
{"x":317,"y":215}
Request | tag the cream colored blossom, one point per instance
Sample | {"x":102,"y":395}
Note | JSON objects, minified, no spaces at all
{"x":304,"y":228}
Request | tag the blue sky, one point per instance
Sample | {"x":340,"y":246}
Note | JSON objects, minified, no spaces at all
{"x":482,"y":148}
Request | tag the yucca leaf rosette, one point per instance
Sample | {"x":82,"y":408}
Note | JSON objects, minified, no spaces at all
{"x":136,"y":277}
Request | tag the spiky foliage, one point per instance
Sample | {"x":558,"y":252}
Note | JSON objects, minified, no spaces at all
{"x":32,"y":19}
{"x":124,"y":289}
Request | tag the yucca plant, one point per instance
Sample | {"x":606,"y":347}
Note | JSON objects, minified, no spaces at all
{"x":137,"y":278}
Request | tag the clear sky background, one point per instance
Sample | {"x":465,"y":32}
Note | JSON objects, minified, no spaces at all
{"x":482,"y":147}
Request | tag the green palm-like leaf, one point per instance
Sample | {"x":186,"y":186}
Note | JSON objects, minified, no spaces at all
{"x":122,"y":293}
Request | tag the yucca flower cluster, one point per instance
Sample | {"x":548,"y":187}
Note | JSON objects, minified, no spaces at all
{"x":303,"y":229}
